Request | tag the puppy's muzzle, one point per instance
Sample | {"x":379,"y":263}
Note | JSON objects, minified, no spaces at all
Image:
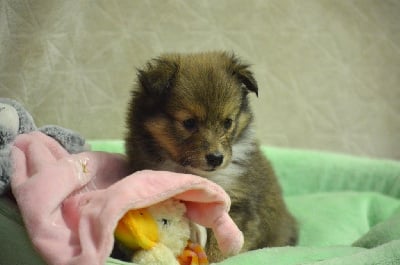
{"x":215,"y":159}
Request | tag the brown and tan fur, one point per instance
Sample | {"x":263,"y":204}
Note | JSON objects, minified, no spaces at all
{"x":190,"y":113}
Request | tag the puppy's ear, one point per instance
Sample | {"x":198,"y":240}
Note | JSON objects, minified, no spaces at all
{"x":243,"y":74}
{"x":158,"y":77}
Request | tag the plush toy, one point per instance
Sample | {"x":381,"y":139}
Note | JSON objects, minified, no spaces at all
{"x":160,"y":235}
{"x":15,"y":120}
{"x":71,"y":218}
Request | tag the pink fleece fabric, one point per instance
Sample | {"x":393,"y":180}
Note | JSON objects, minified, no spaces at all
{"x":71,"y":203}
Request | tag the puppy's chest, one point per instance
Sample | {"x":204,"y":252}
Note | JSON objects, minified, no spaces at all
{"x":228,"y":177}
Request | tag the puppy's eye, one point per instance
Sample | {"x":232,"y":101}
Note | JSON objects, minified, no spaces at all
{"x":228,"y":123}
{"x":190,"y":124}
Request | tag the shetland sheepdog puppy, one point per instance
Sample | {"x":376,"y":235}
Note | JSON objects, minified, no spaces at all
{"x":190,"y":113}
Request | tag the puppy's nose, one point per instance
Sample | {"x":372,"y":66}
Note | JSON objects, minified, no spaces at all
{"x":214,"y":159}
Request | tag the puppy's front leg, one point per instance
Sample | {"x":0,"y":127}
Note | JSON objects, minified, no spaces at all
{"x":212,"y":249}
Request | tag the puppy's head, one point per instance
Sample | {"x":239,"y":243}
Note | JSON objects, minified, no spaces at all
{"x":193,"y":108}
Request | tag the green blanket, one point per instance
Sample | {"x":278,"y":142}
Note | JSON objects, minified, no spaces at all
{"x":348,"y":209}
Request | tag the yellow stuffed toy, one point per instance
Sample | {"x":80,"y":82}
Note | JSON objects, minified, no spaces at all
{"x":159,"y":235}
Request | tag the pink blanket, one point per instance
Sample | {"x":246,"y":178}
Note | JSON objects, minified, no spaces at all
{"x":71,"y":203}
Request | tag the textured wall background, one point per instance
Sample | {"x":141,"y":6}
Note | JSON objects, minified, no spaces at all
{"x":328,"y":71}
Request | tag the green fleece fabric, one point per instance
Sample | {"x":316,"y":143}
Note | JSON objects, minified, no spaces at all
{"x":348,"y":209}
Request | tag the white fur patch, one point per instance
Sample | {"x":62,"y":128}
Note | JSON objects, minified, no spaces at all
{"x":224,"y":177}
{"x":240,"y":152}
